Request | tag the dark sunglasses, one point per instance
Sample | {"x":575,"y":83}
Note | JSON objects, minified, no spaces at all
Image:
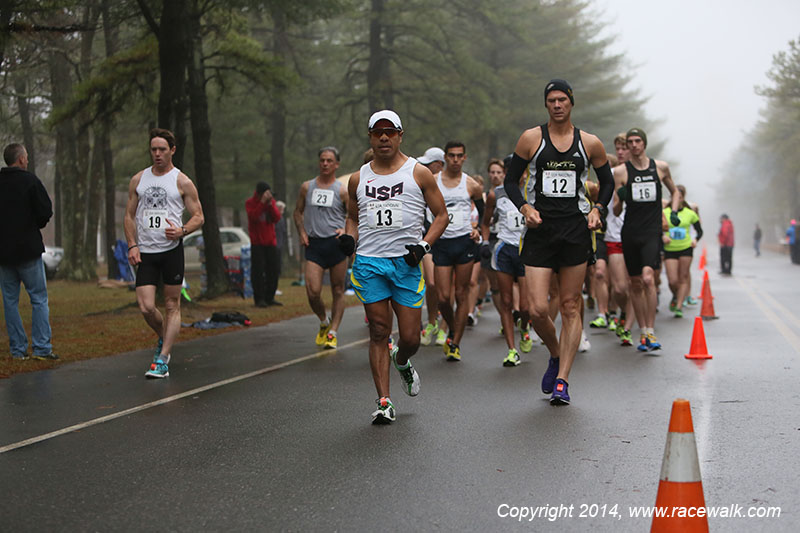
{"x":380,"y":132}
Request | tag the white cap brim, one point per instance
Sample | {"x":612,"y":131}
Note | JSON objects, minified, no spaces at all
{"x":385,"y":114}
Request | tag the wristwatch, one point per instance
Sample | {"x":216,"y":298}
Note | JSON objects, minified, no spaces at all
{"x":183,"y":228}
{"x":425,"y":246}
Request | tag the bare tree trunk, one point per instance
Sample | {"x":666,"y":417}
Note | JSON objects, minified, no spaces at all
{"x":379,"y":82}
{"x":173,"y":57}
{"x":201,"y":140}
{"x":110,"y":199}
{"x":21,"y":90}
{"x":277,"y":116}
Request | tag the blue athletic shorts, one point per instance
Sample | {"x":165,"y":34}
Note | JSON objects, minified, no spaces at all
{"x":506,"y":259}
{"x":378,"y":278}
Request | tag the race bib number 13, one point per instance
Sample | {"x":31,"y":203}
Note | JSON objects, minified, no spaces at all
{"x":385,"y":215}
{"x":154,"y":219}
{"x":558,"y":183}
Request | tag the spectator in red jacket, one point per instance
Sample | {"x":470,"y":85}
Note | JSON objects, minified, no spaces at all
{"x":262,"y":214}
{"x":725,"y":245}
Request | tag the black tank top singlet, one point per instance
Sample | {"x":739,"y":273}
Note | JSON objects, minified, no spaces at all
{"x":558,"y":187}
{"x":643,"y":211}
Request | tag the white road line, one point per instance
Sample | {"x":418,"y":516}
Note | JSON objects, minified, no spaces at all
{"x":791,"y":337}
{"x":162,"y":401}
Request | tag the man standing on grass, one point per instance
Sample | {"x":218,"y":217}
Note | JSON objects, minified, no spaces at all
{"x":157,"y":197}
{"x":25,"y":208}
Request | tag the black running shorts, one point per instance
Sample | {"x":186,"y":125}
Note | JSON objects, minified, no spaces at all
{"x":456,"y":251}
{"x":558,"y":242}
{"x":163,"y":266}
{"x":641,"y":251}
{"x":688,"y":252}
{"x":324,"y":251}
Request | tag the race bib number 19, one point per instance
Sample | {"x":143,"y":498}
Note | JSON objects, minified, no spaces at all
{"x":322,"y":198}
{"x":154,"y":219}
{"x":558,"y":183}
{"x":385,"y":215}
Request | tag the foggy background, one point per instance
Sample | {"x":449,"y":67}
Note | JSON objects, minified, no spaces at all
{"x":699,"y":62}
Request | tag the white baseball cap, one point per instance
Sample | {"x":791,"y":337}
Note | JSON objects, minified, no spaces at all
{"x":431,"y":154}
{"x":385,"y":114}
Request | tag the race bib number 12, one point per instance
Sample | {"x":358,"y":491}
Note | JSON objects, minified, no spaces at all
{"x":558,"y":183}
{"x":385,"y":215}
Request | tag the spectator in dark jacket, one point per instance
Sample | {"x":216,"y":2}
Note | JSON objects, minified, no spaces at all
{"x":25,"y":208}
{"x":262,"y":214}
{"x":725,"y":245}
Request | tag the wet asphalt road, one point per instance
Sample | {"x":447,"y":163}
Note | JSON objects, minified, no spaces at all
{"x":292,"y":448}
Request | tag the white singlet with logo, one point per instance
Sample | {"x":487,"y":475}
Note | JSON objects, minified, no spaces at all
{"x":159,"y":201}
{"x":510,"y":222}
{"x":390,"y":211}
{"x":614,"y":223}
{"x":459,"y":207}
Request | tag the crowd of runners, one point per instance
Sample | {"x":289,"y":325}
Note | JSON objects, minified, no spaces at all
{"x":545,"y":240}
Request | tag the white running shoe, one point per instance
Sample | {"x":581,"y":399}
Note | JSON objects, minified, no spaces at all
{"x":585,"y":345}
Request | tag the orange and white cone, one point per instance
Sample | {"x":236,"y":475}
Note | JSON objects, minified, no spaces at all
{"x":680,"y":487}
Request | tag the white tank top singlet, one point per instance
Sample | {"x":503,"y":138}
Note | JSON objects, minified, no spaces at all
{"x":390,"y":211}
{"x":159,"y":200}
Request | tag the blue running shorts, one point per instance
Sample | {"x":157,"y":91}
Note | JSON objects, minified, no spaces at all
{"x":378,"y":278}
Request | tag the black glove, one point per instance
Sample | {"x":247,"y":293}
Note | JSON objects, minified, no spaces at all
{"x":414,"y":255}
{"x":622,"y":192}
{"x":485,"y":250}
{"x":674,"y":219}
{"x":347,"y":244}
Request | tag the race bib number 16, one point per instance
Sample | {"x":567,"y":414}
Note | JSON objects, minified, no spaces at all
{"x":558,"y":183}
{"x":644,"y":192}
{"x":385,"y":215}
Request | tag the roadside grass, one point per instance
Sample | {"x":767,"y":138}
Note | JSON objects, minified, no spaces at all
{"x":89,"y":321}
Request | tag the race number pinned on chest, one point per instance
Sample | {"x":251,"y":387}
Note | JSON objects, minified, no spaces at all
{"x":154,"y":219}
{"x":455,"y":217}
{"x":558,"y":183}
{"x":322,"y":197}
{"x":644,"y":192}
{"x":515,"y":220}
{"x":677,"y":234}
{"x":385,"y":215}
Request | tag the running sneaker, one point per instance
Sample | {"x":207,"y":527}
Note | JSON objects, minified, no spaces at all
{"x":626,"y":338}
{"x":599,"y":322}
{"x":673,"y":304}
{"x":330,"y":341}
{"x":690,"y":301}
{"x":512,"y":359}
{"x":446,"y":345}
{"x":549,"y":378}
{"x":678,"y":313}
{"x":525,"y":342}
{"x":644,"y":345}
{"x":410,"y":377}
{"x":560,"y":393}
{"x":589,"y":303}
{"x":472,"y":320}
{"x":613,"y":323}
{"x":585,"y":345}
{"x":158,"y":349}
{"x":158,"y":369}
{"x":384,"y":414}
{"x":453,"y":352}
{"x":322,"y":333}
{"x":652,"y":342}
{"x":428,"y":334}
{"x":441,"y":337}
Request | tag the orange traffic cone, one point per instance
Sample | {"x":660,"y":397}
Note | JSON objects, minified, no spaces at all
{"x":703,"y":287}
{"x":680,"y":489}
{"x":698,"y":349}
{"x":702,"y":264}
{"x":707,"y":309}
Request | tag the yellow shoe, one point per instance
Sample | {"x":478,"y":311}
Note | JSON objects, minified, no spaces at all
{"x":330,"y":341}
{"x":453,"y":352}
{"x":322,"y":334}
